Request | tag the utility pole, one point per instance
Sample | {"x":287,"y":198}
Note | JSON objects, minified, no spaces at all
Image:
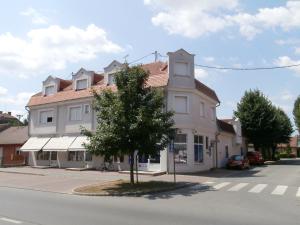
{"x":156,"y":56}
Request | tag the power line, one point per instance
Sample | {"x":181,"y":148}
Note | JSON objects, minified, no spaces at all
{"x":249,"y":68}
{"x":139,"y":59}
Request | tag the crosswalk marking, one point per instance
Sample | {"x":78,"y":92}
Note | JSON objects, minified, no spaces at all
{"x":298,"y":192}
{"x":221,"y":185}
{"x":209,"y":182}
{"x":258,"y":188}
{"x":279,"y":190}
{"x":238,"y":187}
{"x":10,"y":220}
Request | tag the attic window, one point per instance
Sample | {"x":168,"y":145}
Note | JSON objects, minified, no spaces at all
{"x":81,"y":84}
{"x":111,"y":78}
{"x":49,"y":90}
{"x":181,"y":69}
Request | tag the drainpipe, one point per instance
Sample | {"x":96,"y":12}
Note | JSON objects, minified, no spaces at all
{"x":166,"y":109}
{"x":217,"y":139}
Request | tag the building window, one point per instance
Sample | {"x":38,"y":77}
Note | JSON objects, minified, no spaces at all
{"x":206,"y":142}
{"x":87,"y":109}
{"x":242,"y":151}
{"x":180,"y":148}
{"x":111,"y":79}
{"x":75,"y":113}
{"x":54,"y":156}
{"x":201,"y":109}
{"x":49,"y":90}
{"x":18,"y":152}
{"x":76,"y":156}
{"x":81,"y":84}
{"x":88,"y":156}
{"x":226,"y":152}
{"x":46,"y":116}
{"x":43,"y":155}
{"x":181,"y":104}
{"x":213,"y":113}
{"x":198,"y":148}
{"x":181,"y":69}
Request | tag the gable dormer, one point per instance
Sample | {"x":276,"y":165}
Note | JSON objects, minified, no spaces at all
{"x":181,"y":69}
{"x":50,"y":86}
{"x":110,"y":70}
{"x":83,"y":79}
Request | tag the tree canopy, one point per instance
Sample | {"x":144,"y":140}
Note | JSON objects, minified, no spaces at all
{"x":263,"y":124}
{"x":131,"y":118}
{"x":296,"y":113}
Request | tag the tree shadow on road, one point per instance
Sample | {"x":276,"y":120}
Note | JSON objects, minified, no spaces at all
{"x":186,"y":192}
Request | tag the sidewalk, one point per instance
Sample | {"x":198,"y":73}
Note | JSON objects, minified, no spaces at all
{"x":64,"y":181}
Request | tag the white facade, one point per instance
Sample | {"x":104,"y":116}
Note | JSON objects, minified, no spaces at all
{"x":195,"y":118}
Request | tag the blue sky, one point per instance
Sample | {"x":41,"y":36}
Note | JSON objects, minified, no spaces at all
{"x":41,"y":38}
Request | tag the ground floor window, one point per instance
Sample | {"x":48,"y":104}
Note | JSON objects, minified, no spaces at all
{"x":43,"y":155}
{"x":75,"y":156}
{"x":54,"y":156}
{"x":180,"y":148}
{"x":18,"y":151}
{"x":198,"y":148}
{"x":226,"y":151}
{"x":88,"y":156}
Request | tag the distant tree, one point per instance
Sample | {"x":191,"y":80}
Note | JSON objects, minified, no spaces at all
{"x":263,"y":124}
{"x":296,"y":113}
{"x":132,"y":118}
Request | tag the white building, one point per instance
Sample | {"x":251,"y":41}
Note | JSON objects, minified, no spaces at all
{"x":58,"y":111}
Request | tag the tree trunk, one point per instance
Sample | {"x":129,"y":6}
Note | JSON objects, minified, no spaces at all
{"x":132,"y":168}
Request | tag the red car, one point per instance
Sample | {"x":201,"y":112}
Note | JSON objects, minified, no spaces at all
{"x":255,"y":158}
{"x":238,"y":161}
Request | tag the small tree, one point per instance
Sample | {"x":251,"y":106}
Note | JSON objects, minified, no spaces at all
{"x":296,"y":113}
{"x":132,"y":118}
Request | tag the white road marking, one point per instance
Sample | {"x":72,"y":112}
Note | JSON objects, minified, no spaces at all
{"x":221,"y":185}
{"x":298,"y":192}
{"x":209,"y":182}
{"x":10,"y":220}
{"x":258,"y":188}
{"x":238,"y":187}
{"x":279,"y":190}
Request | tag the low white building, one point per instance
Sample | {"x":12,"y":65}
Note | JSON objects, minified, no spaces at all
{"x":58,"y":111}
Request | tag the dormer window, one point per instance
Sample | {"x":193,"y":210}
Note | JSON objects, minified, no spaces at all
{"x":49,"y":90}
{"x":81,"y":84}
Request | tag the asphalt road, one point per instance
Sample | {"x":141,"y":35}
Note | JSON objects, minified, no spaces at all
{"x":263,"y":195}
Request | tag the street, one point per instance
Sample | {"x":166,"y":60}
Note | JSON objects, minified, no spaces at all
{"x":263,"y":195}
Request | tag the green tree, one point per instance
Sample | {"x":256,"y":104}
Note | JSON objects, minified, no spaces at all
{"x":263,"y":124}
{"x":296,"y":113}
{"x":131,"y":118}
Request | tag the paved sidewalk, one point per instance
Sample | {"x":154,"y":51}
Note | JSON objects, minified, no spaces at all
{"x":64,"y":181}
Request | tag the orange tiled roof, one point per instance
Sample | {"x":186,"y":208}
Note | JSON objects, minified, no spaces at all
{"x":158,"y":78}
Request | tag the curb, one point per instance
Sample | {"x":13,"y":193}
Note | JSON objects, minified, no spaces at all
{"x":23,"y":173}
{"x":135,"y":194}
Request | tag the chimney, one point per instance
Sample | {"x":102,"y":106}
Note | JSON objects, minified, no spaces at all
{"x":9,"y":113}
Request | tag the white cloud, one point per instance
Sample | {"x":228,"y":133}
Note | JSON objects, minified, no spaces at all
{"x":21,"y":99}
{"x":209,"y":59}
{"x":195,"y":18}
{"x":52,"y":49}
{"x":36,"y":16}
{"x":200,"y":73}
{"x":3,"y":91}
{"x":286,"y":61}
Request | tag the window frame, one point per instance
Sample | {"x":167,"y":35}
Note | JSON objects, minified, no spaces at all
{"x":226,"y":151}
{"x":187,"y":104}
{"x":75,"y":156}
{"x":44,"y":111}
{"x":48,"y":86}
{"x":198,"y":144}
{"x":79,"y":80}
{"x":85,"y":107}
{"x":69,"y":112}
{"x":187,"y":71}
{"x":185,"y":152}
{"x":202,"y":109}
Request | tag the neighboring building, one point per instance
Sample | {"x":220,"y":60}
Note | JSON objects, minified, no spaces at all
{"x":7,"y":118}
{"x":294,"y":144}
{"x":230,"y":140}
{"x":11,"y":139}
{"x":58,"y":111}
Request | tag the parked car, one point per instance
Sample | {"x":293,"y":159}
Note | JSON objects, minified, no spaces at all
{"x":238,"y":161}
{"x":255,"y":158}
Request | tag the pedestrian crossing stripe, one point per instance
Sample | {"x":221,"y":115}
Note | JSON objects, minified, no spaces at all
{"x":238,"y":187}
{"x":221,"y":185}
{"x":279,"y":190}
{"x":258,"y":188}
{"x":298,"y":193}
